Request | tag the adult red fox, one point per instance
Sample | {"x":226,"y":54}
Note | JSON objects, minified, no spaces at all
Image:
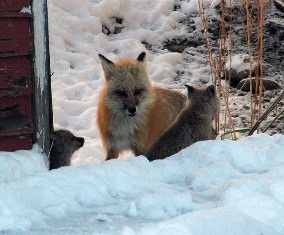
{"x":132,"y":113}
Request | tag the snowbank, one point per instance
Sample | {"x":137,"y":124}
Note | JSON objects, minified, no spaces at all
{"x":212,"y":187}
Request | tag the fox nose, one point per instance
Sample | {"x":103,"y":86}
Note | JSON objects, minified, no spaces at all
{"x":81,"y":140}
{"x":132,"y":112}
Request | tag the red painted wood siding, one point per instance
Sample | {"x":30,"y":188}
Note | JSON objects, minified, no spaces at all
{"x":16,"y":76}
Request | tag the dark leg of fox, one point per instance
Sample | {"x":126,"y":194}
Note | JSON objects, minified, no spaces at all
{"x":112,"y":154}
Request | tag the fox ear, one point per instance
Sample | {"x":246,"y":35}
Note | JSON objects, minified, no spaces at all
{"x":142,"y":58}
{"x":108,"y":66}
{"x":211,"y":90}
{"x":52,"y":136}
{"x":190,"y":89}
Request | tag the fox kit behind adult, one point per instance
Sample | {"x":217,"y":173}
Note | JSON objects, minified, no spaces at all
{"x":132,"y":114}
{"x":63,"y":145}
{"x":193,"y":124}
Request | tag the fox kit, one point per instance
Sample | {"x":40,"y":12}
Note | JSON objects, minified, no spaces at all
{"x":63,"y":145}
{"x":193,"y":124}
{"x":132,"y":114}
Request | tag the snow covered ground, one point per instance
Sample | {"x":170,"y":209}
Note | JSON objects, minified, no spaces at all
{"x":212,"y":187}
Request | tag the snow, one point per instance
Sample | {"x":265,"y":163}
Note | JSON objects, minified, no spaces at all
{"x":240,"y":62}
{"x":212,"y":187}
{"x":26,"y":10}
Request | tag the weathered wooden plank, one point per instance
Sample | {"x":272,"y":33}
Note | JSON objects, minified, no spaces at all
{"x":13,"y":143}
{"x":15,"y":8}
{"x":8,"y":14}
{"x":25,"y":89}
{"x":14,"y":5}
{"x":15,"y":37}
{"x":15,"y":115}
{"x":15,"y":75}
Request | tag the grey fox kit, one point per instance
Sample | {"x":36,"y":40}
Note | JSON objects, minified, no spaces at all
{"x":63,"y":145}
{"x":193,"y":124}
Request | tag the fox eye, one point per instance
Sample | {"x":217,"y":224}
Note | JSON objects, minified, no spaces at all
{"x":138,"y":92}
{"x":121,"y":93}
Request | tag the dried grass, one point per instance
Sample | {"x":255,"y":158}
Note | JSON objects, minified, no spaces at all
{"x":255,"y":15}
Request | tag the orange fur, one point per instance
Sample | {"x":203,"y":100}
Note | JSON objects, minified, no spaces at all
{"x":156,"y":108}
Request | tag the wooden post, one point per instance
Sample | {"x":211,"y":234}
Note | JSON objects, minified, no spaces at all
{"x":42,"y":84}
